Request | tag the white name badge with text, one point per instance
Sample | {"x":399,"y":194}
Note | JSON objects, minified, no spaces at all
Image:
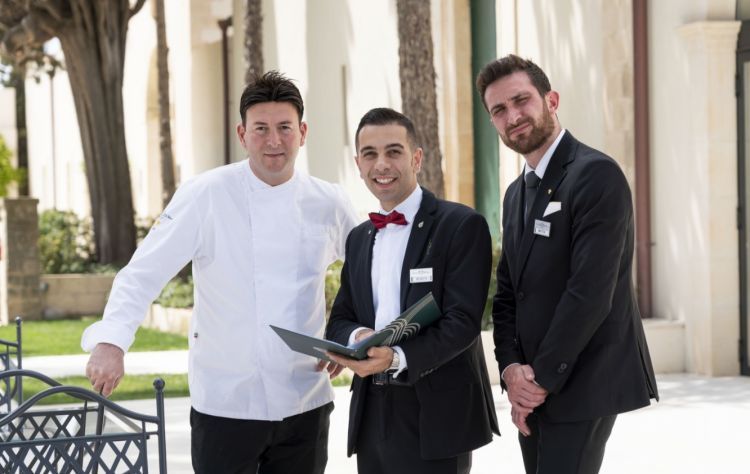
{"x":420,"y":275}
{"x":542,"y":228}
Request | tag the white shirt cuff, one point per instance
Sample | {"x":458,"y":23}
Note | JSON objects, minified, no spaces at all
{"x":353,"y":335}
{"x":401,"y":361}
{"x":502,"y":375}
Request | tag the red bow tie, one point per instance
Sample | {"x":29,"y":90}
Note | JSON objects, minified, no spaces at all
{"x":380,"y":220}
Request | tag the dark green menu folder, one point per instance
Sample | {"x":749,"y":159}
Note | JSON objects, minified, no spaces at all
{"x":422,"y":313}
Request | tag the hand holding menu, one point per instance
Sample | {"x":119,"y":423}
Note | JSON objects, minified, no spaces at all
{"x":422,"y":313}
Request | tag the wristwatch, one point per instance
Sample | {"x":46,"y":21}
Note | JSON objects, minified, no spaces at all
{"x":395,"y":362}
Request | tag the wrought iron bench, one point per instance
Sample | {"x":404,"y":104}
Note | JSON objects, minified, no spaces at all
{"x":76,"y":439}
{"x":11,"y":389}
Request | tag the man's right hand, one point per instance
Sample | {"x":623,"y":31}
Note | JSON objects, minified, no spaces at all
{"x":523,"y":392}
{"x":105,"y":368}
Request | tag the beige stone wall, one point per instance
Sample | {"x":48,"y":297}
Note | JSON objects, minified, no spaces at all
{"x":75,"y":294}
{"x":19,"y":262}
{"x":451,"y":22}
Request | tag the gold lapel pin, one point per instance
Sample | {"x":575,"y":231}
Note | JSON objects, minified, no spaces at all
{"x":421,"y":223}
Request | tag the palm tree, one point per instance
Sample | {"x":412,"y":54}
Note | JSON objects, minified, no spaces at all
{"x":253,"y":39}
{"x":418,"y":96}
{"x":165,"y":129}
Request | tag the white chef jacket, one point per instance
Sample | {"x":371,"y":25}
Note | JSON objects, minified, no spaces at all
{"x":259,"y":256}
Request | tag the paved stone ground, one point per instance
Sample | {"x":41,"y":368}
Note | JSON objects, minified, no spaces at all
{"x":699,"y":427}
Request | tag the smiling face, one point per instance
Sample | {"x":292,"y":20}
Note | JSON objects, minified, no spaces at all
{"x":272,"y":135}
{"x":388,"y":163}
{"x":524,"y":119}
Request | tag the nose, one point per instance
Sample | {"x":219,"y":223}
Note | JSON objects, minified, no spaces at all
{"x":381,"y":164}
{"x":514,"y":115}
{"x":274,"y":137}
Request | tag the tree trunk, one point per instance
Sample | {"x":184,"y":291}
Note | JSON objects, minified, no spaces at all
{"x":93,"y":42}
{"x":253,"y":39}
{"x":22,"y":152}
{"x":165,"y":129}
{"x":418,"y":96}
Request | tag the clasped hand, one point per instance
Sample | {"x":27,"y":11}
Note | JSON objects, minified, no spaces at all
{"x":524,"y":394}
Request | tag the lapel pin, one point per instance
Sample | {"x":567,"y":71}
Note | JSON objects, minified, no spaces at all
{"x":421,"y":223}
{"x":549,"y":191}
{"x":369,"y":232}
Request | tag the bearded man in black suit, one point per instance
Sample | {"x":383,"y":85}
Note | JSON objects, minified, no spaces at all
{"x":568,"y":334}
{"x":423,"y":406}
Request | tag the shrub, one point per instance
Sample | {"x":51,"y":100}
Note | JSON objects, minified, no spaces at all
{"x":8,"y":174}
{"x":65,"y":242}
{"x":177,"y":294}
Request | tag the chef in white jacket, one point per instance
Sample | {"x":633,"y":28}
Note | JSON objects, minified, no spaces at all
{"x":260,"y":236}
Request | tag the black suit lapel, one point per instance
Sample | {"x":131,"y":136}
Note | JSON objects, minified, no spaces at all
{"x":553,"y":175}
{"x":365,"y":264}
{"x":418,"y":240}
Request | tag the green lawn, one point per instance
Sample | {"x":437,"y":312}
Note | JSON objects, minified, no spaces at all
{"x":132,"y":387}
{"x":64,"y":337}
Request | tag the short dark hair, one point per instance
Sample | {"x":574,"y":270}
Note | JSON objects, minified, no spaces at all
{"x":506,"y":66}
{"x":386,"y":116}
{"x":270,"y":87}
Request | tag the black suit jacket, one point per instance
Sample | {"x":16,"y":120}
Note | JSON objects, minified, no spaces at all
{"x":565,"y":303}
{"x":445,"y":361}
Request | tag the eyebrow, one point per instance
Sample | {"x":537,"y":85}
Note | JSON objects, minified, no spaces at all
{"x":387,"y":147}
{"x":511,"y":99}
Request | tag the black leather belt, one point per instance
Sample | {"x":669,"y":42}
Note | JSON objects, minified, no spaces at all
{"x":384,"y":378}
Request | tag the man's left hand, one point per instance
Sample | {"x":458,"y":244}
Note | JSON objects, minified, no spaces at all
{"x":378,"y":360}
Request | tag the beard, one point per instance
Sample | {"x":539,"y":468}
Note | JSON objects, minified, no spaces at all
{"x":533,"y":140}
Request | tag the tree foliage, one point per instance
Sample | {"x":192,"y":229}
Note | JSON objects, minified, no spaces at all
{"x":8,"y":174}
{"x":92,"y":34}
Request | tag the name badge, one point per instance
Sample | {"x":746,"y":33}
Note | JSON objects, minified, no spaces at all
{"x":542,"y":228}
{"x":420,"y":275}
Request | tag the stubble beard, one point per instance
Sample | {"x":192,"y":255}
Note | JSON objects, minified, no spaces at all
{"x":540,"y":133}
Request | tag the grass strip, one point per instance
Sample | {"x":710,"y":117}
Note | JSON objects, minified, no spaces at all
{"x":63,"y":336}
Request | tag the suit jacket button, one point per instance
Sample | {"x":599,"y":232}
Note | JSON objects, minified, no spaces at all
{"x":562,"y":368}
{"x":520,"y":295}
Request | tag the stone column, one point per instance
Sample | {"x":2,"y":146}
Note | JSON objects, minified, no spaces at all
{"x":19,"y":261}
{"x":711,"y":139}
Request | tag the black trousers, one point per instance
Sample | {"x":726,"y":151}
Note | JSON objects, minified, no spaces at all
{"x":388,"y":441}
{"x":565,"y":448}
{"x":297,"y":444}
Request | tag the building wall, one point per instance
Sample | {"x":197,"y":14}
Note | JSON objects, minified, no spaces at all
{"x":693,"y":181}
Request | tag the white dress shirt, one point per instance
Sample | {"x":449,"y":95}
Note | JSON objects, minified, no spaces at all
{"x":387,"y":261}
{"x":259,"y":256}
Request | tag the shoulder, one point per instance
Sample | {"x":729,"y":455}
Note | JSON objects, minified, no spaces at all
{"x":320,"y":188}
{"x":215,"y":177}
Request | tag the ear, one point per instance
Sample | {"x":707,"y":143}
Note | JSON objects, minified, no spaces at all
{"x":417,"y":159}
{"x":303,"y":132}
{"x":241,"y":133}
{"x":553,"y":100}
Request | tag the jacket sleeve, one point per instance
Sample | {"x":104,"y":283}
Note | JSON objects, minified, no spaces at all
{"x":170,"y":245}
{"x":504,"y":318}
{"x":343,"y":319}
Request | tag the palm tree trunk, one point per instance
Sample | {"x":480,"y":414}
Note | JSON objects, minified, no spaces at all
{"x":418,"y":96}
{"x":165,"y":129}
{"x":253,"y":39}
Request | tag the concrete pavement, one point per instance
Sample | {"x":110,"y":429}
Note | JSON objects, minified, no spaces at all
{"x":699,"y":427}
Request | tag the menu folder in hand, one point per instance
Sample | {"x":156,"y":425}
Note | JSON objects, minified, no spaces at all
{"x":422,"y":313}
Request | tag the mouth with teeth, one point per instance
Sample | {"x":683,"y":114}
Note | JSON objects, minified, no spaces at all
{"x":384,"y":180}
